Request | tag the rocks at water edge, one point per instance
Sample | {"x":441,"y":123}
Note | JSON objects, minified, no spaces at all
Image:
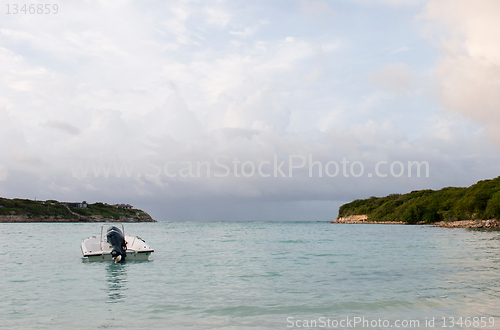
{"x":362,"y":218}
{"x":486,"y":224}
{"x":477,"y":223}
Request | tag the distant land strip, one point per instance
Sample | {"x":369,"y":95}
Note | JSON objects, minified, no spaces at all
{"x":477,"y":206}
{"x":26,"y":210}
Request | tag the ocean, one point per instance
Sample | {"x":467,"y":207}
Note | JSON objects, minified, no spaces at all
{"x":252,"y":275}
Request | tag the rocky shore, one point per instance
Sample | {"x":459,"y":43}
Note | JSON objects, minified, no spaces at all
{"x":478,"y":223}
{"x":486,"y":224}
{"x":94,"y":218}
{"x":363,"y":219}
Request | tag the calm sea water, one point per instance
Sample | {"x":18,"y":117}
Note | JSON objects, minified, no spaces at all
{"x":248,"y":276}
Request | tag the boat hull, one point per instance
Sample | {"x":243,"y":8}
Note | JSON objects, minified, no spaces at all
{"x":131,"y":256}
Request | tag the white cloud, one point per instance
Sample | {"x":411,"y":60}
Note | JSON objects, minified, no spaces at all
{"x":174,"y":119}
{"x":317,"y":10}
{"x":217,"y":16}
{"x":469,"y":72}
{"x":181,"y":11}
{"x":246,"y":32}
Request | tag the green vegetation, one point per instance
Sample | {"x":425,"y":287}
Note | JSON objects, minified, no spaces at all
{"x":479,"y":201}
{"x":54,"y":208}
{"x":31,"y":208}
{"x":107,"y":211}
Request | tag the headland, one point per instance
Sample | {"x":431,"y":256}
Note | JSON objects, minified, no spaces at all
{"x":26,"y":210}
{"x":477,"y":206}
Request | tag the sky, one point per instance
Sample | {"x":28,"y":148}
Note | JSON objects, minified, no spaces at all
{"x":291,"y":104}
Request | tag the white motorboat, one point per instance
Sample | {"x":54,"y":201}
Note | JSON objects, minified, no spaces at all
{"x":113,"y":245}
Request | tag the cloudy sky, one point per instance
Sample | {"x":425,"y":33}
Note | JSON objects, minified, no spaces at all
{"x":113,"y":101}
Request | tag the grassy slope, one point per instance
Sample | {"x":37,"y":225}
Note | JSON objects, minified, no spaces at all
{"x":53,"y":208}
{"x":479,"y":201}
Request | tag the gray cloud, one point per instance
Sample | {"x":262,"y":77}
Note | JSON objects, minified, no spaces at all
{"x":62,"y":126}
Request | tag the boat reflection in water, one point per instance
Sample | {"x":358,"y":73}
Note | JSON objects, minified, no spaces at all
{"x":117,"y":280}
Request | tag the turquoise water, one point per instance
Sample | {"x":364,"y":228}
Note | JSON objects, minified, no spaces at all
{"x":253,"y":275}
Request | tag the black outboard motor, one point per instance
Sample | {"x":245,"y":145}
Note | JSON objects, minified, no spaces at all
{"x":115,"y":237}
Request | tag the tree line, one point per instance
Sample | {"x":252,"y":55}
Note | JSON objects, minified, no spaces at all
{"x":479,"y":201}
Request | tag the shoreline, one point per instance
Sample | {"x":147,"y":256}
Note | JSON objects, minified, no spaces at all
{"x":471,"y":224}
{"x":19,"y":210}
{"x":58,"y":219}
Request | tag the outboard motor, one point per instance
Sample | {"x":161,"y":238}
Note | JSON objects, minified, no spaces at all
{"x":116,"y":239}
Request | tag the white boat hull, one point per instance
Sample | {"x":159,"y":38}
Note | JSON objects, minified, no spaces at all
{"x":131,"y":256}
